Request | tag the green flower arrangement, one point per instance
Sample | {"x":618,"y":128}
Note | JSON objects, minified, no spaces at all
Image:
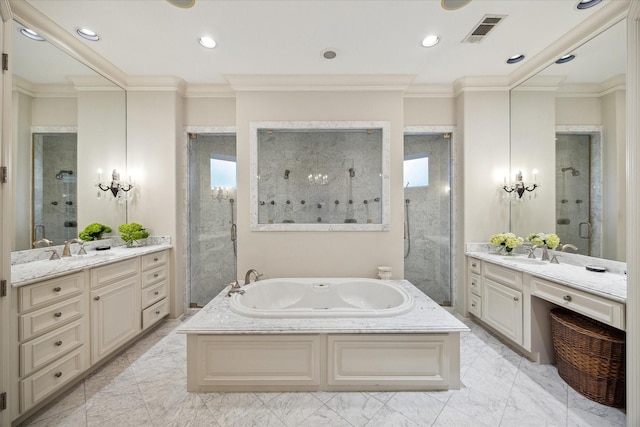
{"x":551,"y":240}
{"x":507,"y":241}
{"x":132,"y":232}
{"x":94,"y":231}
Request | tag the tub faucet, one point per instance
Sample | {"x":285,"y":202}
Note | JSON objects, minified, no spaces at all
{"x":545,"y":252}
{"x":66,"y":252}
{"x":247,"y":277}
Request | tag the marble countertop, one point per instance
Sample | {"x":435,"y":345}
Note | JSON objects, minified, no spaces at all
{"x":30,"y":272}
{"x":609,"y":285}
{"x":426,"y":317}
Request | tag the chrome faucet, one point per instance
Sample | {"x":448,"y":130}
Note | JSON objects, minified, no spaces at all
{"x":66,"y":252}
{"x":569,"y":246}
{"x":43,"y":240}
{"x":545,"y":252}
{"x":247,"y":277}
{"x":235,"y":288}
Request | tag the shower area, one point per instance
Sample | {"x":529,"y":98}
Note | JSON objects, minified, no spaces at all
{"x":55,"y":209}
{"x":427,"y":214}
{"x":212,"y":243}
{"x":578,"y":191}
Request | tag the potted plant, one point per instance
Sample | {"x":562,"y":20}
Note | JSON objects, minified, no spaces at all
{"x":94,"y":231}
{"x":132,"y":233}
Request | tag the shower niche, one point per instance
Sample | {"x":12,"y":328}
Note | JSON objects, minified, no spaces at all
{"x":320,"y":176}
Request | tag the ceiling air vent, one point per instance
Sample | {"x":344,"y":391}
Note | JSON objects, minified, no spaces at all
{"x":480,"y":31}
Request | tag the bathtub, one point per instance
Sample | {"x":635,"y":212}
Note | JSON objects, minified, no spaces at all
{"x":304,"y":298}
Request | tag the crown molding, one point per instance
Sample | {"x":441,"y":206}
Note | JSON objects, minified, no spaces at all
{"x":43,"y":90}
{"x":318,"y":83}
{"x":156,"y":84}
{"x":429,"y":91}
{"x":209,"y":91}
{"x":5,"y":11}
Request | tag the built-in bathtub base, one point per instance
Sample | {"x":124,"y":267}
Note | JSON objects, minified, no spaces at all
{"x":323,"y":362}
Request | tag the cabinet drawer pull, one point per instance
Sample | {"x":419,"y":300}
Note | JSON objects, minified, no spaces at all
{"x":567,"y":298}
{"x":157,"y":311}
{"x":516,"y":299}
{"x":473,"y":304}
{"x":155,"y":259}
{"x":155,"y":274}
{"x":473,"y":264}
{"x":58,"y":343}
{"x":57,"y":289}
{"x":97,"y":298}
{"x":57,"y":374}
{"x":156,"y":293}
{"x":57,"y":314}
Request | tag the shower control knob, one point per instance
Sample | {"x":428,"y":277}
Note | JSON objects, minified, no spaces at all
{"x":302,"y":202}
{"x":366,"y":202}
{"x":336,"y":202}
{"x":288,"y":202}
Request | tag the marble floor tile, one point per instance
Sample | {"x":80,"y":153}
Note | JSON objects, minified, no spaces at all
{"x":145,"y":385}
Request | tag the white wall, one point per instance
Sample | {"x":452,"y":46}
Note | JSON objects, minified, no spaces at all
{"x":55,"y":111}
{"x":152,"y":129}
{"x":429,"y":111}
{"x":533,"y":146}
{"x":21,"y":168}
{"x":101,"y":144}
{"x":321,"y":254}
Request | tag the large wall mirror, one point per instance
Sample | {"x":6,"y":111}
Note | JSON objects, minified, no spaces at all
{"x":68,"y":122}
{"x":568,"y":138}
{"x":320,"y":176}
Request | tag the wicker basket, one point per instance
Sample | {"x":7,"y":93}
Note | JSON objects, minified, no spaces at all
{"x":590,"y":356}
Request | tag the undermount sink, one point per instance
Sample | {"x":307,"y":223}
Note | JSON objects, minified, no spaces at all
{"x":523,"y":260}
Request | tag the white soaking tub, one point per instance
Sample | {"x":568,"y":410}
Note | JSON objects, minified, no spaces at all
{"x":365,"y":335}
{"x":339,"y":297}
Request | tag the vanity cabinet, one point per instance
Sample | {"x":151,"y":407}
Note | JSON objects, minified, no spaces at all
{"x":115,"y":306}
{"x":52,"y":337}
{"x":495,"y":296}
{"x":66,"y":326}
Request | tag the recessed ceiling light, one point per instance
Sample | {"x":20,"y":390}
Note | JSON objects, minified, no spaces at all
{"x":515,"y":59}
{"x":430,"y":40}
{"x":182,"y":4}
{"x":565,"y":59}
{"x":329,"y":54}
{"x":31,"y":34}
{"x":87,"y":34}
{"x":207,"y":42}
{"x":586,"y":4}
{"x":454,"y":4}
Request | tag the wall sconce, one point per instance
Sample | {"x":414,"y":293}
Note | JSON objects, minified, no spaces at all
{"x":519,"y":187}
{"x":119,"y":190}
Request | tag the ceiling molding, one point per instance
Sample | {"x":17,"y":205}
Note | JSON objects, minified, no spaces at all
{"x":43,"y":90}
{"x":5,"y":11}
{"x":315,"y":83}
{"x":608,"y":15}
{"x":156,"y":84}
{"x":209,"y":91}
{"x":480,"y":84}
{"x":429,"y":91}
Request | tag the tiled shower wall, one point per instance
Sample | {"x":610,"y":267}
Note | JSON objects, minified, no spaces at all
{"x":579,"y":155}
{"x":344,"y":198}
{"x":212,"y":262}
{"x":55,"y":198}
{"x":427,"y":242}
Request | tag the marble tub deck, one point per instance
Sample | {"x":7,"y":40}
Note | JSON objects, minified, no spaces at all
{"x":426,"y":317}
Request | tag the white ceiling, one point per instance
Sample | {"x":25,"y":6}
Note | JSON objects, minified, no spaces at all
{"x":269,"y":37}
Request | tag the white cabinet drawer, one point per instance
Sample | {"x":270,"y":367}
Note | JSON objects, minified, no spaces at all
{"x":154,"y":294}
{"x":475,"y":305}
{"x":45,"y":319}
{"x":474,"y":284}
{"x":505,"y":276}
{"x":593,"y":306}
{"x":474,"y":265}
{"x":154,"y":313}
{"x":49,"y":291}
{"x":153,"y":260}
{"x":36,"y":353}
{"x":154,"y":276}
{"x":101,"y":276}
{"x":38,"y":386}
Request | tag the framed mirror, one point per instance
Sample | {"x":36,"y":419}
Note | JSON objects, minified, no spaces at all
{"x":568,"y":147}
{"x":320,"y":176}
{"x":68,"y":122}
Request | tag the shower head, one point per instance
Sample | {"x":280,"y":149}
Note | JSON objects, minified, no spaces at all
{"x":574,"y":171}
{"x":61,"y":173}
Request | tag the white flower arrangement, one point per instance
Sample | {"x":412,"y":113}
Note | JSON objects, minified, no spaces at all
{"x":508,"y":241}
{"x":551,"y":240}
